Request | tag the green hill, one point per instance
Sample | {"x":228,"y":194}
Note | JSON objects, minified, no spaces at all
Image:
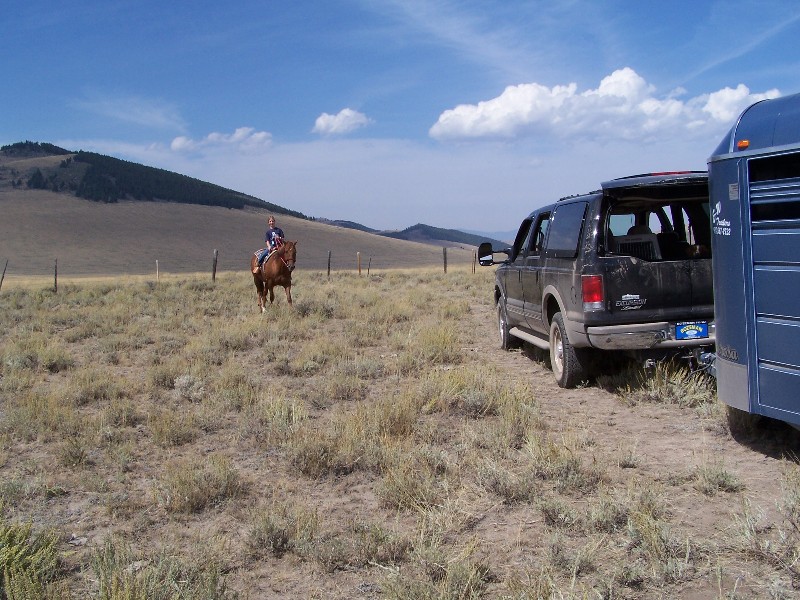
{"x":105,"y":179}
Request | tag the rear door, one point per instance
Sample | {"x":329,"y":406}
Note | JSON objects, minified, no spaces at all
{"x":659,"y":264}
{"x":560,"y":257}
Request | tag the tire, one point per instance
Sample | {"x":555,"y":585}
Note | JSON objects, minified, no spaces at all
{"x":507,"y":341}
{"x":569,"y":364}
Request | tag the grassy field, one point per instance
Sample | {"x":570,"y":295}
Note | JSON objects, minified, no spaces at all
{"x":38,"y":228}
{"x":164,"y":440}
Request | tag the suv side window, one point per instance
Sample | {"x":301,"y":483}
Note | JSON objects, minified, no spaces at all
{"x":565,"y":230}
{"x":539,"y":235}
{"x":523,"y":238}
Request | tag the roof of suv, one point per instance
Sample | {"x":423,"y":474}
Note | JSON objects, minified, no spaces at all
{"x":658,"y":183}
{"x":650,"y":179}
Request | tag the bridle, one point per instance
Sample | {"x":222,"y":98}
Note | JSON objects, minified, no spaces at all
{"x":281,"y":253}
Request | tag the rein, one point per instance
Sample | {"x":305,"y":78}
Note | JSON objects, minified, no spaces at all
{"x":281,"y":253}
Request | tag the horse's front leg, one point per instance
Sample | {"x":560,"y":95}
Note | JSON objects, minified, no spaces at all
{"x":288,"y":289}
{"x":260,"y":296}
{"x":271,"y":295}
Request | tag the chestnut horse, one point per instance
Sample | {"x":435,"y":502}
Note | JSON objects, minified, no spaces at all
{"x":275,"y":270}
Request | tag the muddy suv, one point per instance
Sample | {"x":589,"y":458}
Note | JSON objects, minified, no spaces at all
{"x":623,"y":269}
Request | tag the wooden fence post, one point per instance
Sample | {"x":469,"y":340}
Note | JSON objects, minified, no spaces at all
{"x":55,"y":277}
{"x":474,"y":261}
{"x":156,"y":269}
{"x":358,"y":258}
{"x":444,"y":254}
{"x":4,"y":275}
{"x":214,"y":268}
{"x":329,"y":264}
{"x":369,"y":264}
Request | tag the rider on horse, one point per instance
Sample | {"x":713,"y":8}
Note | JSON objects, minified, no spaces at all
{"x":273,"y":239}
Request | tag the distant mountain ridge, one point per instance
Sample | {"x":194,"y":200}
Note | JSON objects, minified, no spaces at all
{"x":423,"y":233}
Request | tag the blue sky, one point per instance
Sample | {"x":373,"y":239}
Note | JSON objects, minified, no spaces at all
{"x":463,"y":115}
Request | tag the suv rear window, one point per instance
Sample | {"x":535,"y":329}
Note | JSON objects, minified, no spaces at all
{"x":565,"y":230}
{"x":658,"y":230}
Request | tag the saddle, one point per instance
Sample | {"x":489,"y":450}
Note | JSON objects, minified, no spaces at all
{"x":262,"y":255}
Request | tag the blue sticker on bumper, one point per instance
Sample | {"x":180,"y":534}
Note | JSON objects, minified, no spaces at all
{"x":691,"y":330}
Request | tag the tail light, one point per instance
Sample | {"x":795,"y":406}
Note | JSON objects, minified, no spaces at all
{"x":592,"y":288}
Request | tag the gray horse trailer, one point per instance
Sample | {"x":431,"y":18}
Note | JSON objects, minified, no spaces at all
{"x":754,"y":187}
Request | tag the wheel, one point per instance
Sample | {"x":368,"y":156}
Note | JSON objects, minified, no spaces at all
{"x":507,"y":341}
{"x":569,"y":363}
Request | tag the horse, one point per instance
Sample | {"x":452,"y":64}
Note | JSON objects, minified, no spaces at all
{"x":275,"y":270}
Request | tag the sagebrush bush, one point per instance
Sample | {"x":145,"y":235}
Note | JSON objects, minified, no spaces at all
{"x":511,"y":487}
{"x":192,"y":485}
{"x":281,"y":527}
{"x":274,"y":419}
{"x":34,"y":414}
{"x":28,"y":560}
{"x":171,"y":427}
{"x":438,"y":573}
{"x":563,"y":464}
{"x":665,"y":383}
{"x":607,"y":513}
{"x":713,"y":476}
{"x":122,"y":574}
{"x":91,"y":385}
{"x":414,"y":477}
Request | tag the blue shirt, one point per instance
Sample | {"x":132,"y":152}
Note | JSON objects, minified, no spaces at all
{"x":272,"y":236}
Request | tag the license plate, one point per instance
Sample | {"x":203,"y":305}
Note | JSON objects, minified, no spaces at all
{"x":691,"y":330}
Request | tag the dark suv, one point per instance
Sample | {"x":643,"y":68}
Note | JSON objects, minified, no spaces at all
{"x":625,"y":268}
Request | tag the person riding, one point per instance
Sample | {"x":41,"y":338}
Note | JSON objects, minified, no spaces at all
{"x":274,"y":236}
{"x":273,"y":239}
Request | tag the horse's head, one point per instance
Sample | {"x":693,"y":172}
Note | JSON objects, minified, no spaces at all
{"x":289,"y":250}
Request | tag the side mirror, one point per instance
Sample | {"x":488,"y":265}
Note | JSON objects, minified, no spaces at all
{"x":486,"y":254}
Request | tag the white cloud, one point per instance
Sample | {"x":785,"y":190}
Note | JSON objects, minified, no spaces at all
{"x":727,"y":103}
{"x":243,"y":139}
{"x":624,"y":106}
{"x":346,"y":121}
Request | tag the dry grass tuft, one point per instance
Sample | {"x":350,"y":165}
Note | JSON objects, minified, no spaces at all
{"x":192,"y":485}
{"x":665,"y":383}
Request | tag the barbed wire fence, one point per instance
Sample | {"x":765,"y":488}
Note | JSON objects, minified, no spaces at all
{"x":460,"y":261}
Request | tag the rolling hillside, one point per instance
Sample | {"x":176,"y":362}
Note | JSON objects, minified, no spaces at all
{"x":48,"y":214}
{"x":87,"y":238}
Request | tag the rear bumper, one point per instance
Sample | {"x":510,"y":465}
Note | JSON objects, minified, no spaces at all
{"x":644,"y":336}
